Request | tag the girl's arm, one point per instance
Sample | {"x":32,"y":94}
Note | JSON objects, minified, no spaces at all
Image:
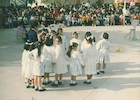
{"x":98,"y":46}
{"x":84,"y":56}
{"x":57,"y":52}
{"x":80,"y":59}
{"x":34,"y":53}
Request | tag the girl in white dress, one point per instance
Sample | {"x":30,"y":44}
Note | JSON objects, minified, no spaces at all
{"x":38,"y":69}
{"x":76,"y":40}
{"x":29,"y":69}
{"x":59,"y":62}
{"x":24,"y":60}
{"x":84,"y":43}
{"x":75,"y":63}
{"x":102,"y":47}
{"x":48,"y":52}
{"x":89,"y":57}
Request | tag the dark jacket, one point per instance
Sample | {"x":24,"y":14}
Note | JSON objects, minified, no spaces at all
{"x":32,"y":36}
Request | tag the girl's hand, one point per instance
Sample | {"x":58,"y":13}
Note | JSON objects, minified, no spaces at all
{"x":53,"y":63}
{"x":83,"y":66}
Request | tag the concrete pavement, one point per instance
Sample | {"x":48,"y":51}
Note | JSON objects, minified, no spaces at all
{"x":120,"y":82}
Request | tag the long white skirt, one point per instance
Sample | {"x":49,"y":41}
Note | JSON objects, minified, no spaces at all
{"x":38,"y":69}
{"x":48,"y":66}
{"x":103,"y":56}
{"x":75,"y":68}
{"x":60,"y":67}
{"x":90,"y":67}
{"x":29,"y":69}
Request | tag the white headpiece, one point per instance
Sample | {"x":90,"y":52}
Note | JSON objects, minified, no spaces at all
{"x":89,"y":37}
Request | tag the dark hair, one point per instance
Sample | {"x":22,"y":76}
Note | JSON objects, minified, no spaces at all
{"x":53,"y":31}
{"x":70,"y":49}
{"x":39,"y":31}
{"x":49,"y":41}
{"x":88,"y":34}
{"x":105,"y":35}
{"x":59,"y":38}
{"x":38,"y":46}
{"x":20,"y":23}
{"x":45,"y":30}
{"x":60,"y":29}
{"x":43,"y":34}
{"x":32,"y":46}
{"x":75,"y":33}
{"x":92,"y":38}
{"x":27,"y":46}
{"x":34,"y":24}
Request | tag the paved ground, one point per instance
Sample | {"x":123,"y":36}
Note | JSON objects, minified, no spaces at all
{"x":120,"y":82}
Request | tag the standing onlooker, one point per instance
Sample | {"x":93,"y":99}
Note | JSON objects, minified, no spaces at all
{"x":10,"y":24}
{"x":32,"y":36}
{"x":112,"y":21}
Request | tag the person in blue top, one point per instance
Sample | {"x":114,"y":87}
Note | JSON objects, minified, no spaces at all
{"x":32,"y":36}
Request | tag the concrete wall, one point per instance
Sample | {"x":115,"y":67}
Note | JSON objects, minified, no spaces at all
{"x":4,"y":2}
{"x":70,"y":1}
{"x":108,"y":1}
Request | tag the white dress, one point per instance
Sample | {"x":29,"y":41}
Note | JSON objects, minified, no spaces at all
{"x":76,"y":62}
{"x":64,"y":42}
{"x":59,"y":59}
{"x":24,"y":62}
{"x":89,"y":57}
{"x":78,"y":41}
{"x":102,"y":48}
{"x":39,"y":63}
{"x":30,"y":65}
{"x":84,"y":45}
{"x":47,"y":52}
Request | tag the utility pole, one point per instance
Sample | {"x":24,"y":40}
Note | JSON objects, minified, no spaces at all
{"x":124,"y":11}
{"x":26,"y":3}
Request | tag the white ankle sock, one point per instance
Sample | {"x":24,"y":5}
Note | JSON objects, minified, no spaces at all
{"x":98,"y":70}
{"x":44,"y":80}
{"x":35,"y":87}
{"x":27,"y":84}
{"x":60,"y":80}
{"x":40,"y":88}
{"x":71,"y":81}
{"x":48,"y":79}
{"x":88,"y":81}
{"x":56,"y":82}
{"x":74,"y":82}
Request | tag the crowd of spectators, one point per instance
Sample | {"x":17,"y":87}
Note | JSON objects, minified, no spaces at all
{"x":86,"y":14}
